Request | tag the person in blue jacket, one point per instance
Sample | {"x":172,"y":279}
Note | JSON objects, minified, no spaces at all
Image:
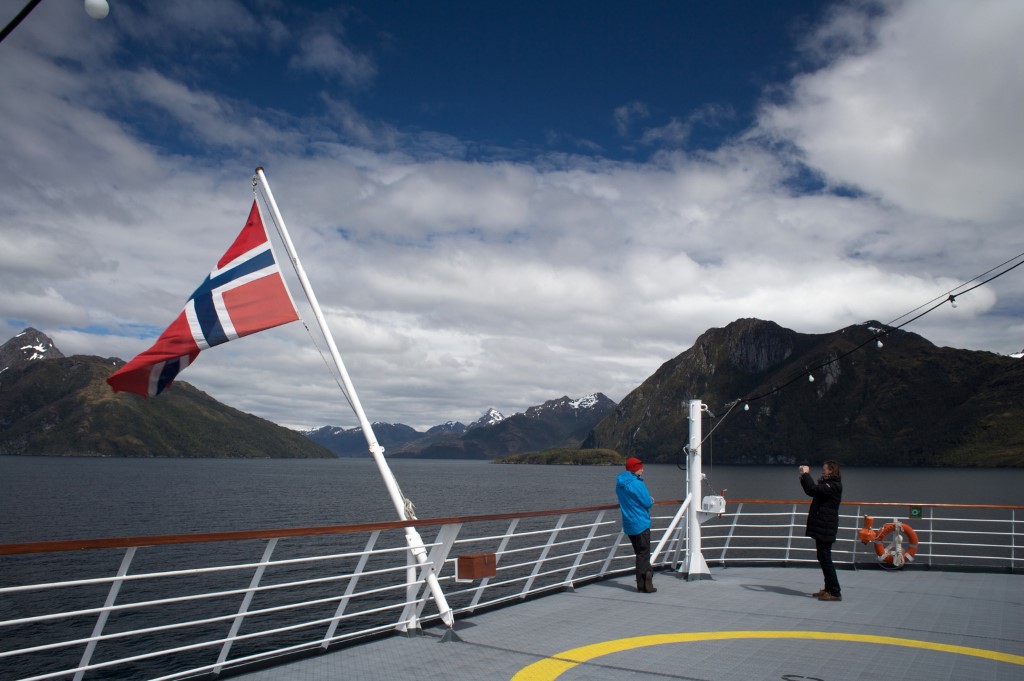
{"x":635,"y":502}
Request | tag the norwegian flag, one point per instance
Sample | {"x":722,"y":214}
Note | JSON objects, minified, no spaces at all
{"x":243,"y":295}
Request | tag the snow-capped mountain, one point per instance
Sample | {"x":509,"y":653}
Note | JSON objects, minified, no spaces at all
{"x":556,"y":423}
{"x":28,"y":346}
{"x":490,"y":417}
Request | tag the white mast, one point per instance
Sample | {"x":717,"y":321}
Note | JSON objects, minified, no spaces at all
{"x":696,"y":567}
{"x":412,"y":537}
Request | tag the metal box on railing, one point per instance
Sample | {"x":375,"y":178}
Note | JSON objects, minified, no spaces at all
{"x":713,"y":504}
{"x":475,"y":566}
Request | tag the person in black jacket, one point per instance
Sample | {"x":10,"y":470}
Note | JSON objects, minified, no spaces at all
{"x":823,"y":522}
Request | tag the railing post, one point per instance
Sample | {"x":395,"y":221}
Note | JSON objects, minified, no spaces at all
{"x":435,"y":561}
{"x":676,"y":547}
{"x":676,"y":519}
{"x":101,"y":621}
{"x":853,"y":558}
{"x":543,"y":555}
{"x":611,"y":554}
{"x":583,"y":550}
{"x":497,"y":559}
{"x":931,"y":534}
{"x":350,"y":589}
{"x":732,"y":530}
{"x":244,"y":607}
{"x":789,"y":535}
{"x":1013,"y":539}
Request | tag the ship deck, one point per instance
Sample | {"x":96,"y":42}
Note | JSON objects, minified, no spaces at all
{"x":745,"y":623}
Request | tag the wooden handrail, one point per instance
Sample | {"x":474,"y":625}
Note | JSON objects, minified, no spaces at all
{"x":240,"y":535}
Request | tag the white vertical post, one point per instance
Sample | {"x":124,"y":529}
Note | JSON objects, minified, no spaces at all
{"x":101,"y":621}
{"x":257,"y":577}
{"x":412,"y":537}
{"x":696,"y":567}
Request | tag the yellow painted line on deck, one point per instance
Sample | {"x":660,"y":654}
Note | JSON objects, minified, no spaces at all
{"x":551,"y":668}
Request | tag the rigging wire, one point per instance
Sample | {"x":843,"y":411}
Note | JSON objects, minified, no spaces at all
{"x":258,"y":191}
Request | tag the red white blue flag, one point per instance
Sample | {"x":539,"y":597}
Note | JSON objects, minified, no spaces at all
{"x":244,"y":294}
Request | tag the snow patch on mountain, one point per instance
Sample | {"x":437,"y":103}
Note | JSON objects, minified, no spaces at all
{"x":490,"y":418}
{"x":585,"y":402}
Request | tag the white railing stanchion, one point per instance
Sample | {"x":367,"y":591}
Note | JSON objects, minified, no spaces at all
{"x":611,"y":553}
{"x":244,"y":607}
{"x":446,"y":537}
{"x":350,"y":588}
{"x":509,"y":533}
{"x":732,"y":529}
{"x":789,"y":535}
{"x":101,"y":621}
{"x":583,"y":550}
{"x":676,"y":519}
{"x":543,"y":556}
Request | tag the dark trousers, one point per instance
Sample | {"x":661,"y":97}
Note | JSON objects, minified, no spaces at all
{"x":827,"y":568}
{"x":642,"y":548}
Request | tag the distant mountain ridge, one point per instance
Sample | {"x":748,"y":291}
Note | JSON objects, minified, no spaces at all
{"x":906,"y":403}
{"x":556,"y":423}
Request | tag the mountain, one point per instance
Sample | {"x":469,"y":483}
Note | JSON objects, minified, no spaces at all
{"x":556,"y":423}
{"x":350,"y":442}
{"x":490,"y":417}
{"x":52,"y":405}
{"x":906,"y":403}
{"x":27,"y":346}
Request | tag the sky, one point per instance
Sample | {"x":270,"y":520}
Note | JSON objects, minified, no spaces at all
{"x":498,"y":204}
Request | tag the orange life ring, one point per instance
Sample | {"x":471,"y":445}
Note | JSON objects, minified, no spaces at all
{"x":906,"y":552}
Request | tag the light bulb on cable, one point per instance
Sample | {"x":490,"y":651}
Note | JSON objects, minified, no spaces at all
{"x":97,"y":9}
{"x":746,"y":407}
{"x":952,"y":301}
{"x":878,"y":343}
{"x":810,"y":378}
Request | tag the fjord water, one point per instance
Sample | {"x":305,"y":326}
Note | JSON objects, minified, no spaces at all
{"x":50,"y":498}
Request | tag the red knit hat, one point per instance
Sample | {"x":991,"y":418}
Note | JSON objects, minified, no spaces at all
{"x":634,"y":464}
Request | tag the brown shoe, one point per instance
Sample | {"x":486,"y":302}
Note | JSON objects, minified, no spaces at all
{"x":829,"y":597}
{"x":819,"y":593}
{"x":649,"y":583}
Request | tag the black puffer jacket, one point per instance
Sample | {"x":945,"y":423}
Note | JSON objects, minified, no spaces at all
{"x":823,"y":518}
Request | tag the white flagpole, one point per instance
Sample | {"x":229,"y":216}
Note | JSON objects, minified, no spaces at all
{"x":412,"y":537}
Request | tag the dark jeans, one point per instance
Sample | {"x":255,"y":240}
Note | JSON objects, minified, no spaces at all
{"x":642,"y":548}
{"x":827,"y":568}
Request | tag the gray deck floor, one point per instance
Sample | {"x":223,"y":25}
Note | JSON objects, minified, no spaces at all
{"x":913,"y":613}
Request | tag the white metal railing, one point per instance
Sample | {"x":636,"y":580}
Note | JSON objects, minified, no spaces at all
{"x":190,"y":606}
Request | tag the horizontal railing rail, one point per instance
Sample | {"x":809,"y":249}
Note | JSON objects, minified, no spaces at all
{"x":203,"y":605}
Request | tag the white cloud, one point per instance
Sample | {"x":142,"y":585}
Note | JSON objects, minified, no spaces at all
{"x":325,"y":53}
{"x":924,"y":114}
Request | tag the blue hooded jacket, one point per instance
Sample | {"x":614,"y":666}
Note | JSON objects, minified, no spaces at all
{"x":634,"y":501}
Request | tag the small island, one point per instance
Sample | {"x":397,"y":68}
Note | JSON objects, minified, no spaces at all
{"x":565,"y":456}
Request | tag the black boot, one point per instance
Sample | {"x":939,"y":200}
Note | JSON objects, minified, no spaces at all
{"x":641,"y":584}
{"x":649,"y":582}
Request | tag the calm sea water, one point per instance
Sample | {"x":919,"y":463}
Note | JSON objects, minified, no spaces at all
{"x":47,"y":498}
